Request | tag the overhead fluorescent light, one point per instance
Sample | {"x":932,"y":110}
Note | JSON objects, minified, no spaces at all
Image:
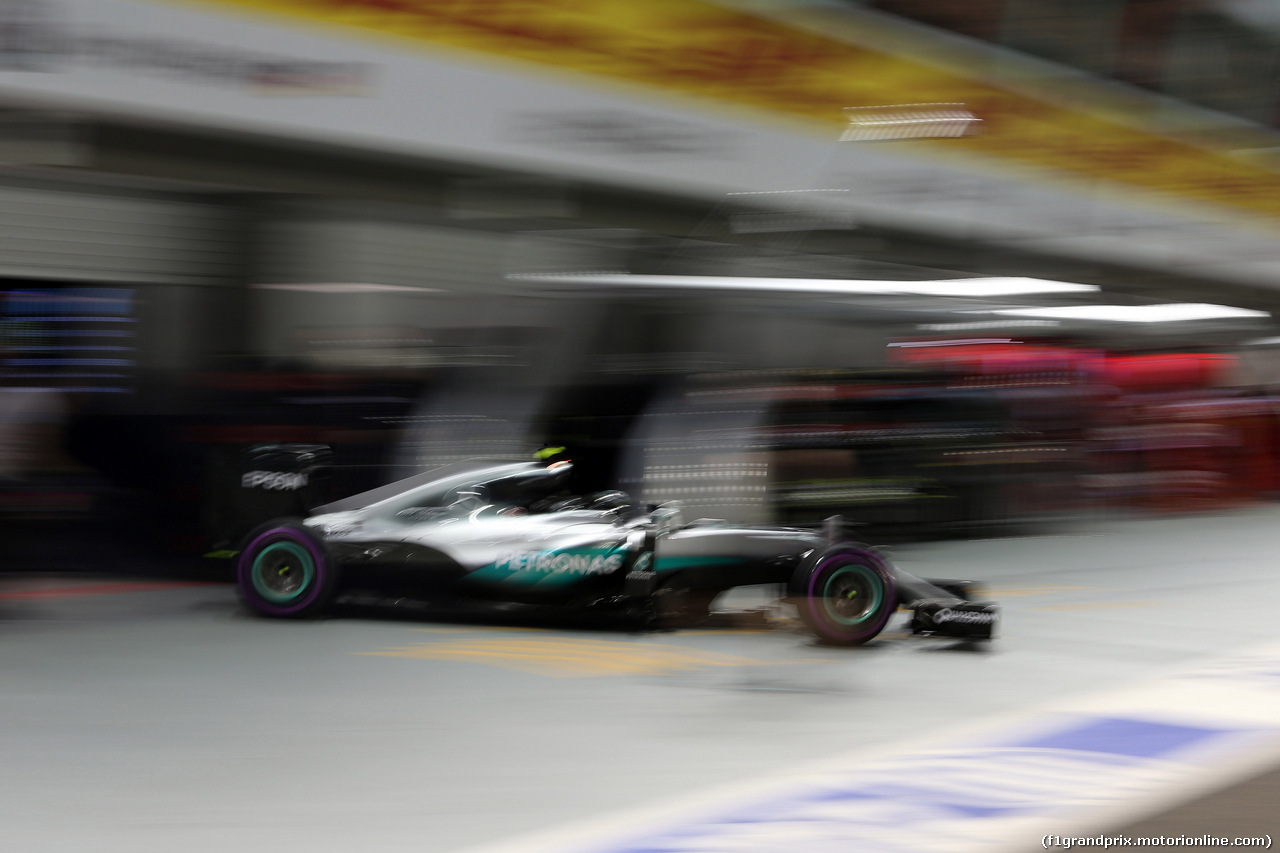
{"x":1172,"y":312}
{"x":959,"y":287}
{"x":348,"y":287}
{"x":964,"y":342}
{"x":995,"y":287}
{"x":987,"y":324}
{"x":907,"y":121}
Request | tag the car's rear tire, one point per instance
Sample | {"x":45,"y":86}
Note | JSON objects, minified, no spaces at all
{"x":284,"y":571}
{"x":845,"y":594}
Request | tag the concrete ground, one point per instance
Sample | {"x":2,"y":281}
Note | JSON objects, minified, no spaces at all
{"x":140,"y":715}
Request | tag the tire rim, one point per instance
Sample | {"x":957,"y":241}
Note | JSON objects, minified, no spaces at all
{"x":852,"y":595}
{"x":282,"y":571}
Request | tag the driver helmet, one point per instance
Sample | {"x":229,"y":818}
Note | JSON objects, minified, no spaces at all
{"x":553,"y":456}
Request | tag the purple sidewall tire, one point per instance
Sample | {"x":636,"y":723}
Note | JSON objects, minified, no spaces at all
{"x":311,"y":598}
{"x":811,"y":604}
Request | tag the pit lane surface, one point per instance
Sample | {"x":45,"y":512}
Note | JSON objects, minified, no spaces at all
{"x":154,"y":717}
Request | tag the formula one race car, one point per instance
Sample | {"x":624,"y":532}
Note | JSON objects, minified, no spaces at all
{"x":509,"y":533}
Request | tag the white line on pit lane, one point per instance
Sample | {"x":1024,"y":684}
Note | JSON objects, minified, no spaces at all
{"x":1072,"y":768}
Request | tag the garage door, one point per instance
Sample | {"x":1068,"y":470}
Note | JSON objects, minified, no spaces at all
{"x":106,"y":237}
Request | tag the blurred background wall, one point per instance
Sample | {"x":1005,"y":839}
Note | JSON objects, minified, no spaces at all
{"x":419,"y":231}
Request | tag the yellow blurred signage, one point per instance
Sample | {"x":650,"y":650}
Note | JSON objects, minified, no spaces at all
{"x":699,"y":49}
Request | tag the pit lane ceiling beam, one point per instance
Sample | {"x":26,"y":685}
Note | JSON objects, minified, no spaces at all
{"x":244,"y":162}
{"x":123,"y":151}
{"x":174,"y":152}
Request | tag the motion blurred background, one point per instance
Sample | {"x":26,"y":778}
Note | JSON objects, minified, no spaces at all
{"x":949,"y":268}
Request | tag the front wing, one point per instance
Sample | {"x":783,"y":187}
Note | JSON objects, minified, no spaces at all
{"x":954,"y":617}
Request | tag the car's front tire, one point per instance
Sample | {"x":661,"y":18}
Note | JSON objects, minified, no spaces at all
{"x":845,"y":594}
{"x":284,"y":570}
